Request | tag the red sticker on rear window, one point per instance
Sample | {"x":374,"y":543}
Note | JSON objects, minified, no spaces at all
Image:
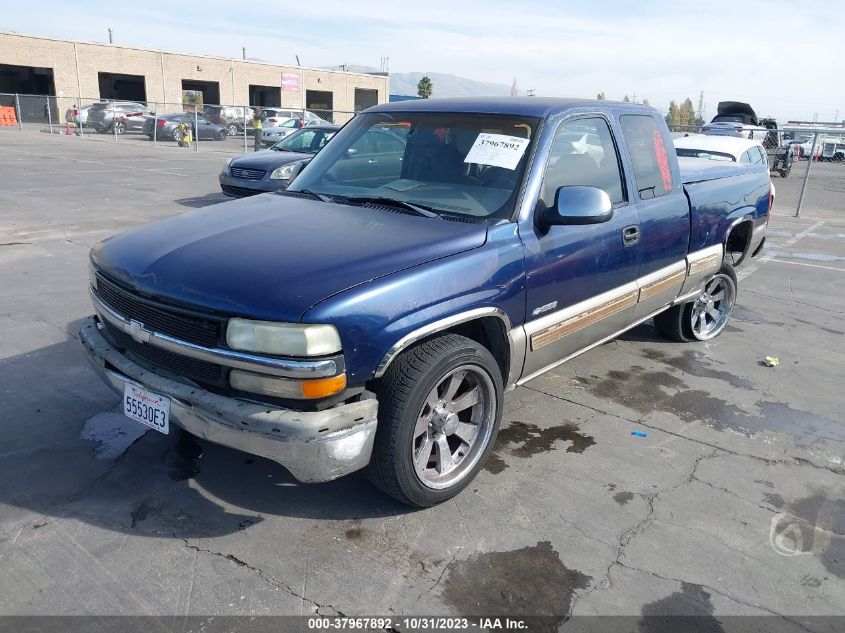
{"x":662,"y":160}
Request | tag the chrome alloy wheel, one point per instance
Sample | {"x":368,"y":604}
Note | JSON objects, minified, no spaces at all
{"x":454,"y":426}
{"x":712,"y":310}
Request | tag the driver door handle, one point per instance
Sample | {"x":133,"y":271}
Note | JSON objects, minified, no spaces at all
{"x":630,"y":235}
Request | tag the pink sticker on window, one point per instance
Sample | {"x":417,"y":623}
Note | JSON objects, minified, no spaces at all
{"x":662,"y":160}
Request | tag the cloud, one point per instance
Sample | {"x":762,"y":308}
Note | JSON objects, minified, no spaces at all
{"x":759,"y":51}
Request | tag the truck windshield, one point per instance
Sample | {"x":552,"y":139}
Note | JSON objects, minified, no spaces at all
{"x":451,"y":163}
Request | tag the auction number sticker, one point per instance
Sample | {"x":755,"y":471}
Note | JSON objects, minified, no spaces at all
{"x":497,"y":150}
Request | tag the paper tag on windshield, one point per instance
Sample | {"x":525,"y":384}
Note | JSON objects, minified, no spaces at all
{"x":497,"y":150}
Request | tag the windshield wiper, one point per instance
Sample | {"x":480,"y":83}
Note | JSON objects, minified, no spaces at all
{"x":317,"y":196}
{"x":422,"y":210}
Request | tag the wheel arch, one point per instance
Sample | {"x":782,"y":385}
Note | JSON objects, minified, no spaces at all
{"x":488,"y":326}
{"x":738,"y":238}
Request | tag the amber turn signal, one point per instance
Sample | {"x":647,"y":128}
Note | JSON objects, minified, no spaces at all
{"x":323,"y":387}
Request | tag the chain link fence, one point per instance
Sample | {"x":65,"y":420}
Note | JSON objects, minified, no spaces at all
{"x":189,"y":124}
{"x":807,"y":162}
{"x":814,"y":156}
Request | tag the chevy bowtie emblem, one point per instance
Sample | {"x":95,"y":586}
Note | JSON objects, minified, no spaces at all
{"x":137,"y":331}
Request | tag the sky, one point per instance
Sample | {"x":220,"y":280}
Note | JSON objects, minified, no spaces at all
{"x":781,"y":56}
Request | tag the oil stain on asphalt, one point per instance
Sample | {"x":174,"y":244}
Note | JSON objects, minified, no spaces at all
{"x":689,"y":609}
{"x":647,"y":391}
{"x":183,"y":457}
{"x":696,"y":364}
{"x":623,"y":497}
{"x":522,"y":439}
{"x":528,"y":581}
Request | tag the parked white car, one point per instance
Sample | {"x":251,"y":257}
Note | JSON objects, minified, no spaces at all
{"x":723,"y":148}
{"x":274,"y":117}
{"x":275,"y":133}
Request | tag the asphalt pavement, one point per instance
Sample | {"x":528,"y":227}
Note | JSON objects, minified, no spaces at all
{"x":644,"y":477}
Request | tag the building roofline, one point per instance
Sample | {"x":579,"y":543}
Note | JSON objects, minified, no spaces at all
{"x":215,"y":57}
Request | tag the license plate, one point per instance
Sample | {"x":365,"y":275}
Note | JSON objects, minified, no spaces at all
{"x":146,"y":407}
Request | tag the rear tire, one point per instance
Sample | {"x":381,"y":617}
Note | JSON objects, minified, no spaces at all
{"x":440,"y":406}
{"x":707,"y":316}
{"x":670,"y":324}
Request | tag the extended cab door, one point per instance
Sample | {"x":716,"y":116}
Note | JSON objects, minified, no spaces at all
{"x":662,"y":208}
{"x":581,"y":279}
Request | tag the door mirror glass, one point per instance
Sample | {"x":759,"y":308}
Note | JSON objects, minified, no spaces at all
{"x":351,"y":152}
{"x":578,"y":204}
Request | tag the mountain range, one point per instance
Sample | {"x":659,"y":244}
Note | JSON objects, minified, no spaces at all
{"x":444,"y":84}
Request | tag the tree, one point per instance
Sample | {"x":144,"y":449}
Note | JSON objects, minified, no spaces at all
{"x":681,"y":118}
{"x":424,"y":87}
{"x":626,"y":99}
{"x":514,"y":88}
{"x":672,"y":115}
{"x":600,"y":96}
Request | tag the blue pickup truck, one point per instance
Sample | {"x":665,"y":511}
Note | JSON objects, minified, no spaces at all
{"x":433,"y":256}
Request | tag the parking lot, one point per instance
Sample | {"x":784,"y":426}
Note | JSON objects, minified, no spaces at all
{"x":643,"y":478}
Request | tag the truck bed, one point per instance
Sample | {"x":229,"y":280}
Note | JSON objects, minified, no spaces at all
{"x":721,"y":193}
{"x":704,"y":169}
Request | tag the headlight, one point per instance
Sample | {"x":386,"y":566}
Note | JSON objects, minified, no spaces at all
{"x":283,"y":173}
{"x":282,"y":339}
{"x":229,"y":162}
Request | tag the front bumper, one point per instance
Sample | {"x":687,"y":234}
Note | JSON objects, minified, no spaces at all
{"x":313,"y":446}
{"x":240,"y":187}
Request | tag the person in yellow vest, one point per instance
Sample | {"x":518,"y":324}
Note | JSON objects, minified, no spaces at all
{"x":184,"y":138}
{"x":256,"y":129}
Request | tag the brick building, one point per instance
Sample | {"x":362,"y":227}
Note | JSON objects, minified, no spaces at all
{"x":84,"y":72}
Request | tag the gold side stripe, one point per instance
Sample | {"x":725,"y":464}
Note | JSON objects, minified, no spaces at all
{"x":662,"y":285}
{"x":703,"y":265}
{"x":585,"y":319}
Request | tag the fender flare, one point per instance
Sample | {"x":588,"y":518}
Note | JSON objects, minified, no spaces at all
{"x":441,"y":325}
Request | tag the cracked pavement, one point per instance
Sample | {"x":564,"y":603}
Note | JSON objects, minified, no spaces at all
{"x":732,"y":504}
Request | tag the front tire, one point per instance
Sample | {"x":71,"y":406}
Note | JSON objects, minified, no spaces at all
{"x":440,"y":406}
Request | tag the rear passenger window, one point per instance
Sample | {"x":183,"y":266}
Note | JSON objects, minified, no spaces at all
{"x":745,"y":158}
{"x":757,"y":156}
{"x":583,"y":153}
{"x":648,"y":153}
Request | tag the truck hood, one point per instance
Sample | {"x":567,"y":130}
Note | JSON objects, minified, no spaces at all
{"x":270,"y":257}
{"x":738,"y":108}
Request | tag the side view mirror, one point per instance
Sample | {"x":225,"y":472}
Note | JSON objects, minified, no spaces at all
{"x":577,"y":204}
{"x":351,"y":152}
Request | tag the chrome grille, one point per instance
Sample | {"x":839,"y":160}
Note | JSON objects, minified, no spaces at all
{"x":179,"y":323}
{"x":247,"y":174}
{"x":157,"y":358}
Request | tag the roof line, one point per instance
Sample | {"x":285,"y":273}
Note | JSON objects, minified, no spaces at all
{"x":154,"y":50}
